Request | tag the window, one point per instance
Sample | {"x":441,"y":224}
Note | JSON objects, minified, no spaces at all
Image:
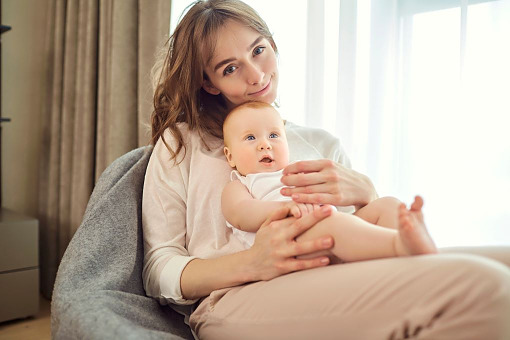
{"x":455,"y":146}
{"x":418,"y":92}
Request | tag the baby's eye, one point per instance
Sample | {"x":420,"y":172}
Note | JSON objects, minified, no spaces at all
{"x":258,"y":50}
{"x":250,"y":137}
{"x":273,"y":135}
{"x":229,"y":70}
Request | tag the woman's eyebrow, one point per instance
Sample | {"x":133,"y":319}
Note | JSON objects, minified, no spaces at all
{"x":226,"y":61}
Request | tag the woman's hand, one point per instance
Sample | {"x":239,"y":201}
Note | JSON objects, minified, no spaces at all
{"x":275,"y":249}
{"x":327,"y":182}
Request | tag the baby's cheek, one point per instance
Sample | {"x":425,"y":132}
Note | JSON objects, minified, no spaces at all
{"x":247,"y":163}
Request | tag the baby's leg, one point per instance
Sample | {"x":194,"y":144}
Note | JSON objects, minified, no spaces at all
{"x":414,"y":237}
{"x":354,"y":239}
{"x":383,"y":212}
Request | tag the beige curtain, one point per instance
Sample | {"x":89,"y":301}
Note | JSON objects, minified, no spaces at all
{"x":99,"y":99}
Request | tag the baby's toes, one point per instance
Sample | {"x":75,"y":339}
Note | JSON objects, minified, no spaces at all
{"x":417,"y":204}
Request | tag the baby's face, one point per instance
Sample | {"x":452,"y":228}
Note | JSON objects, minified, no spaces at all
{"x":255,"y":140}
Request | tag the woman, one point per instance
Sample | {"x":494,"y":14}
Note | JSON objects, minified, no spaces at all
{"x":222,"y":55}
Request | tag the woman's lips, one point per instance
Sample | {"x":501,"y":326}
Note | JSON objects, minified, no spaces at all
{"x":263,"y":91}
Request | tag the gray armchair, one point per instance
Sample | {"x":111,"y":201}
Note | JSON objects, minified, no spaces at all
{"x":98,"y":291}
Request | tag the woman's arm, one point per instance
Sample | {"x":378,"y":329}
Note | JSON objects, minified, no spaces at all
{"x":170,"y":274}
{"x":273,"y":254}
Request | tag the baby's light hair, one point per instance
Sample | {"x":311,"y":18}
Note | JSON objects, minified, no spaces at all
{"x":250,"y":105}
{"x":247,"y":105}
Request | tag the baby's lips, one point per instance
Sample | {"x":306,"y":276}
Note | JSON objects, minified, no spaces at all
{"x":266,"y":157}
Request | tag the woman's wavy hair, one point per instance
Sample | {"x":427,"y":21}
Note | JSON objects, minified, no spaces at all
{"x":179,"y":96}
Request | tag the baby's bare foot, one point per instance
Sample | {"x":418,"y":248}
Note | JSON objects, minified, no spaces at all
{"x":413,"y":233}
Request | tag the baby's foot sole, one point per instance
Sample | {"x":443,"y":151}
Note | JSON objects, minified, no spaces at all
{"x":413,"y":232}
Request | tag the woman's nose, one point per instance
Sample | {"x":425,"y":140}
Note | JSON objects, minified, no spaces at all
{"x":254,"y":74}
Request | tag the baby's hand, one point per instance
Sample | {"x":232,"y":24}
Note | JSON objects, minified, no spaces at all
{"x":301,"y":209}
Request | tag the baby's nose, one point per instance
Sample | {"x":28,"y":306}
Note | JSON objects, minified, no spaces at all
{"x":264,"y":145}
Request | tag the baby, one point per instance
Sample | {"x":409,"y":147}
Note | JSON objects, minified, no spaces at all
{"x":256,"y":146}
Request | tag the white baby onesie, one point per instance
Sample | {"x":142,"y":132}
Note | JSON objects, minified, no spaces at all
{"x":264,"y":186}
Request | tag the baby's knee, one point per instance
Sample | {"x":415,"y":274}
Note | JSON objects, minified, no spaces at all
{"x":388,"y":202}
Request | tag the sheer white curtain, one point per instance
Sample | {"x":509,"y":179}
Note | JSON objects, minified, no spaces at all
{"x":438,"y":85}
{"x":417,"y":91}
{"x":426,"y":109}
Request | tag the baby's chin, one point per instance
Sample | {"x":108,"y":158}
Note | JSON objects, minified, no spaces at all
{"x":262,"y":169}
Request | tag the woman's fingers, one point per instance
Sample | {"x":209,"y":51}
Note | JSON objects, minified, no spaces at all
{"x":275,"y":248}
{"x":313,"y":194}
{"x":317,"y":198}
{"x":293,"y":265}
{"x":302,"y":179}
{"x":312,"y":246}
{"x":326,"y":182}
{"x":309,"y":189}
{"x":277,"y":215}
{"x":304,"y":223}
{"x":307,"y":166}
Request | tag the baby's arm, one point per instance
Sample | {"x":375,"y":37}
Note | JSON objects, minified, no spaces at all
{"x":242,"y":210}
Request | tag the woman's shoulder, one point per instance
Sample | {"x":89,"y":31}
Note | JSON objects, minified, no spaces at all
{"x":183,"y":128}
{"x":169,"y":141}
{"x":192,"y":141}
{"x":313,"y":143}
{"x":169,"y":137}
{"x":310,"y":134}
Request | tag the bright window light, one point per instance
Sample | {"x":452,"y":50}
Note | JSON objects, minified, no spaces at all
{"x":458,"y":154}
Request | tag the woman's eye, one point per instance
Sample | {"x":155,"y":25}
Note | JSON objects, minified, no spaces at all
{"x":250,"y":137}
{"x":258,"y":50}
{"x":229,"y":70}
{"x":273,"y":135}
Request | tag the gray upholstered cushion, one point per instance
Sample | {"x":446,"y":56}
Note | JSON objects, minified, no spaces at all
{"x":98,"y":292}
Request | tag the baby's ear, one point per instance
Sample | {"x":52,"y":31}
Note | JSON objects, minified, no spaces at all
{"x":228,"y":155}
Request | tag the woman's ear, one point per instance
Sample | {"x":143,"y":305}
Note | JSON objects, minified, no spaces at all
{"x":228,"y":155}
{"x":209,"y":88}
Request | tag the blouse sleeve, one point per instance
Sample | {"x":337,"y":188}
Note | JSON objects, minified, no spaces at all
{"x":324,"y":143}
{"x":336,"y":152}
{"x":325,"y":146}
{"x":164,"y":226}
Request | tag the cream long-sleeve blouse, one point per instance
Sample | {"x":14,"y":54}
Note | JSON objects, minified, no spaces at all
{"x":181,"y":207}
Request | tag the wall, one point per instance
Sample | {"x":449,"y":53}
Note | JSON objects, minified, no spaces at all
{"x":23,"y":79}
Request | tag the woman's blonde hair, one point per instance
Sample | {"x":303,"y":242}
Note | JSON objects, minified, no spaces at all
{"x":179,"y":96}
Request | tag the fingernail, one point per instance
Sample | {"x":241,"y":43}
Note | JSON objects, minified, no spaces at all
{"x":295,"y":197}
{"x":327,"y":242}
{"x":325,"y":260}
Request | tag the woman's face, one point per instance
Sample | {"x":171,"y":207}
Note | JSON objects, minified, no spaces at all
{"x":243,"y":67}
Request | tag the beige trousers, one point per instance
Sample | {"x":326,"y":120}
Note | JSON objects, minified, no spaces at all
{"x":445,"y":296}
